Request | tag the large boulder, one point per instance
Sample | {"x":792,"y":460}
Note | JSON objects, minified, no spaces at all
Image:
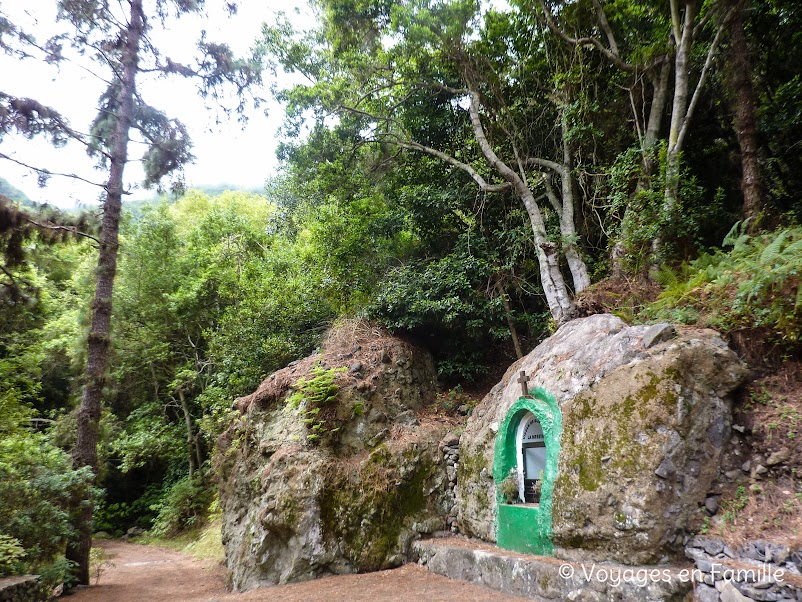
{"x":353,"y":499}
{"x":646,"y":412}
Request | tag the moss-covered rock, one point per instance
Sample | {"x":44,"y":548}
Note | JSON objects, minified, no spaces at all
{"x":645,"y":413}
{"x":352,"y":500}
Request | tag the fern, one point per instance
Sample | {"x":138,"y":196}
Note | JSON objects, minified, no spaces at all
{"x":773,"y":250}
{"x":755,"y":284}
{"x":311,"y":395}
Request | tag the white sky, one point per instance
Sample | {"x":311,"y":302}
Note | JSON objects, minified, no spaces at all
{"x":225,"y":153}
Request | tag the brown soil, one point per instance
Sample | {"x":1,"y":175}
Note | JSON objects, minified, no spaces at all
{"x":769,"y":508}
{"x":161,"y":575}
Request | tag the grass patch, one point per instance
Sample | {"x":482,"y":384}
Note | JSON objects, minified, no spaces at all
{"x":204,"y":542}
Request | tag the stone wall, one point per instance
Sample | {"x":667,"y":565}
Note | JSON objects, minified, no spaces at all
{"x":757,"y":571}
{"x":22,"y":589}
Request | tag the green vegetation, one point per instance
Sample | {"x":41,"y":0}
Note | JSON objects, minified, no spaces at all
{"x":755,"y":285}
{"x":313,"y":395}
{"x":454,"y":173}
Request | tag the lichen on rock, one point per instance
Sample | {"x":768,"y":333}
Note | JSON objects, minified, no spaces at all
{"x":646,"y":412}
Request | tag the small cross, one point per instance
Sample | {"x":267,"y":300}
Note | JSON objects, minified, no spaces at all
{"x":523,"y":379}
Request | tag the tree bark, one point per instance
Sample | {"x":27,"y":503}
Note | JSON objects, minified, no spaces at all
{"x":579,"y":271}
{"x":745,"y":109}
{"x":561,"y":305}
{"x":683,"y":34}
{"x":85,"y":452}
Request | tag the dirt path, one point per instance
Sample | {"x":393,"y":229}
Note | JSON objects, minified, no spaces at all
{"x":151,"y":574}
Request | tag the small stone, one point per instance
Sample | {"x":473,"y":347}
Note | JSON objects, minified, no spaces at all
{"x":355,"y":367}
{"x":746,"y":466}
{"x":778,"y":457}
{"x":729,"y":593}
{"x":711,"y":504}
{"x":658,"y":334}
{"x":732,"y":475}
{"x":765,"y":584}
{"x":760,"y":595}
{"x":759,"y":470}
{"x":706,"y":594}
{"x":739,"y":428}
{"x":450,"y":440}
{"x":666,"y":469}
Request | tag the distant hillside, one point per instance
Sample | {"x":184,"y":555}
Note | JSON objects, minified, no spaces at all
{"x":135,"y":205}
{"x":14,"y":193}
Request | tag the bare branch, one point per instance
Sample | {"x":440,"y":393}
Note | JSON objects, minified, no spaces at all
{"x":605,"y":25}
{"x":70,"y":229}
{"x":609,"y":54}
{"x":48,"y":173}
{"x":675,"y":21}
{"x":551,"y":195}
{"x":13,"y":284}
{"x":637,"y":121}
{"x":553,"y":165}
{"x":483,"y":185}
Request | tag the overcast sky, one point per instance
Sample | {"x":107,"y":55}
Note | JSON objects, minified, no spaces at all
{"x":226,"y":153}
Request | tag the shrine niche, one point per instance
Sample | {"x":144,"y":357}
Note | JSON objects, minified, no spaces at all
{"x":524,"y":468}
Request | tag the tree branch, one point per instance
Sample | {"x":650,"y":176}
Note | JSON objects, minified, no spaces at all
{"x":605,"y":25}
{"x":560,"y":169}
{"x":483,"y":185}
{"x":70,"y":229}
{"x":13,"y":284}
{"x":613,"y":57}
{"x":47,"y":173}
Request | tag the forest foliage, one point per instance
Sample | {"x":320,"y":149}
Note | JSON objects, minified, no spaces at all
{"x":452,"y":172}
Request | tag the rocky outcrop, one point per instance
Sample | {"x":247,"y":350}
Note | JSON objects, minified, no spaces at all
{"x":646,"y":412}
{"x":353,"y":499}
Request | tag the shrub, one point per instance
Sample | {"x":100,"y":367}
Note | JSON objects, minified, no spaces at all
{"x":38,"y":489}
{"x":11,"y":555}
{"x":756,"y":285}
{"x":184,"y":506}
{"x":311,"y":396}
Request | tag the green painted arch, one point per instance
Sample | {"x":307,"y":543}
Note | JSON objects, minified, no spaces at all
{"x":519,"y":527}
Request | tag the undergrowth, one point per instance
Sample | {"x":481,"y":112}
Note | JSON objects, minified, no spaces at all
{"x":754,"y":286}
{"x":203,"y":539}
{"x":769,"y":510}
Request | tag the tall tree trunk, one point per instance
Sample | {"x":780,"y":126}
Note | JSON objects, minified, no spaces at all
{"x":745,"y":119}
{"x":193,"y":452}
{"x":188,"y":421}
{"x":558,"y":298}
{"x":683,"y":34}
{"x":579,"y":271}
{"x":85,"y":452}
